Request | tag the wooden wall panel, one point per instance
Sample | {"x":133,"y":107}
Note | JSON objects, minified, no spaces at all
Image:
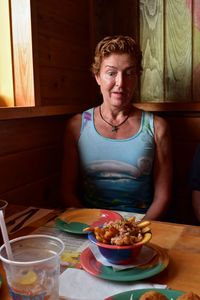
{"x":28,"y":134}
{"x":54,"y":54}
{"x":6,"y":70}
{"x":30,"y":159}
{"x":64,"y":51}
{"x":178,"y":50}
{"x":60,"y":86}
{"x":152,"y":45}
{"x":28,"y":166}
{"x":185,"y":130}
{"x":22,"y":53}
{"x":195,"y":9}
{"x":64,"y":11}
{"x":41,"y":193}
{"x":169,"y":35}
{"x":113,"y":17}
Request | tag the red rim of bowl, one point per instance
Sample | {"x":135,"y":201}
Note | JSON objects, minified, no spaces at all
{"x":92,"y":238}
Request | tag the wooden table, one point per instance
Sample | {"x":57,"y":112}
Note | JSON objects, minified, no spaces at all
{"x":182,"y":242}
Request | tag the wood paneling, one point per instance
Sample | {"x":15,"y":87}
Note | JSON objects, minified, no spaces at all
{"x":152,"y":45}
{"x":185,"y":132}
{"x":58,"y":85}
{"x":196,"y":47}
{"x":22,"y":53}
{"x":169,"y":36}
{"x":166,"y":41}
{"x":30,"y":159}
{"x":31,"y":148}
{"x":6,"y":71}
{"x":64,"y":51}
{"x":114,"y":17}
{"x":65,"y":32}
{"x":178,"y":51}
{"x":28,"y":166}
{"x":41,"y":193}
{"x":29,"y":134}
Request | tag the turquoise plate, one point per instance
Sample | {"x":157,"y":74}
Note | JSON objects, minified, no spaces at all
{"x":136,"y":294}
{"x":153,"y":267}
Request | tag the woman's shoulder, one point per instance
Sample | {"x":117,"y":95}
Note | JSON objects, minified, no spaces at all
{"x":73,"y":126}
{"x":74,"y":123}
{"x":162,"y":129}
{"x":160,"y":123}
{"x":74,"y":120}
{"x":78,"y":117}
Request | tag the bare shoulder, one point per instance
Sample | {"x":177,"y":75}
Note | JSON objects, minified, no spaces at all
{"x":73,"y":126}
{"x":161,"y":127}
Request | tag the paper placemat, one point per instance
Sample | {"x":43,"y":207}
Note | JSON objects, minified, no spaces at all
{"x":77,"y":284}
{"x":144,"y":257}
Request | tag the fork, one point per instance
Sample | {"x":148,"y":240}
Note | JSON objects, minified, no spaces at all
{"x":21,"y":223}
{"x":12,"y":222}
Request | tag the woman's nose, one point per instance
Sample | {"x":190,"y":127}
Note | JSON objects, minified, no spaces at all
{"x":119,"y":79}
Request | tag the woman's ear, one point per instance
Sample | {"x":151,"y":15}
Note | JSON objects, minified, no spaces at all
{"x":97,"y":79}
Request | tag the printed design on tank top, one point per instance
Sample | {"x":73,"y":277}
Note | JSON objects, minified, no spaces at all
{"x":116,"y":182}
{"x":86,"y":119}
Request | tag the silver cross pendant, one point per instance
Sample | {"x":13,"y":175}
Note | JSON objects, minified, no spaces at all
{"x":114,"y":128}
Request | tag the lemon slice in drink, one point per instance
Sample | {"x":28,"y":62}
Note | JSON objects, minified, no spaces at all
{"x":29,"y":278}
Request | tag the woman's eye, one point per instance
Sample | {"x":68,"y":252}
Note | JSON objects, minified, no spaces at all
{"x":111,"y":73}
{"x":130,"y":72}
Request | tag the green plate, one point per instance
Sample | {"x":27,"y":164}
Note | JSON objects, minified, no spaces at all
{"x":136,"y":294}
{"x":75,"y":220}
{"x":151,"y":268}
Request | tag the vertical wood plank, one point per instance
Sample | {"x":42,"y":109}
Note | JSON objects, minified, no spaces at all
{"x":6,"y":74}
{"x":22,"y":53}
{"x":196,"y":49}
{"x":114,"y":17}
{"x":151,"y":40}
{"x":178,"y":43}
{"x":64,"y":54}
{"x":35,"y":47}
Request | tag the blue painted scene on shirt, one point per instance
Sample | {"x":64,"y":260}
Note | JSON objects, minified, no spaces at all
{"x":117,"y":174}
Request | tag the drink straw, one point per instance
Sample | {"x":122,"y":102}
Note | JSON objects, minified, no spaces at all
{"x":5,"y":236}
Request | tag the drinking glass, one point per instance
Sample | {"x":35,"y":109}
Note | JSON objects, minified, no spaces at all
{"x":3,"y":205}
{"x":34,"y":272}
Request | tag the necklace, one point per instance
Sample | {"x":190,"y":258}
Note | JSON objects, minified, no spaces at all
{"x":114,"y":127}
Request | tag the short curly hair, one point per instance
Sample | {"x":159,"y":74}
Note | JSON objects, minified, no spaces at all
{"x":116,"y":44}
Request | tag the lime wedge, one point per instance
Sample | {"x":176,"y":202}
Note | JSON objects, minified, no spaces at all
{"x":29,"y":278}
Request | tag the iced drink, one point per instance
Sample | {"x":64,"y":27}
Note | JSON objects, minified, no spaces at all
{"x":34,"y":273}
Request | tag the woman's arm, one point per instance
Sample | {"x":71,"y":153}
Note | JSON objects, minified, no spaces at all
{"x":162,"y":171}
{"x":70,"y":166}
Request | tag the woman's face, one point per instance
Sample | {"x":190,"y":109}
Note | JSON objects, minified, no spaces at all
{"x":117,"y":79}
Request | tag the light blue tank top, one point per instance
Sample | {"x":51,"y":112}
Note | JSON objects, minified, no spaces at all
{"x":117,"y":174}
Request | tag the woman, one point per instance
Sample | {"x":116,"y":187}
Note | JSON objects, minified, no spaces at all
{"x":123,"y":153}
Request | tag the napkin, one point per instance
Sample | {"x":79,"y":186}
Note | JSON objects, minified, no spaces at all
{"x":75,"y":284}
{"x":144,"y":257}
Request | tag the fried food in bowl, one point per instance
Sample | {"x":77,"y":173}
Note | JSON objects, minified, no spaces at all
{"x":120,"y":241}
